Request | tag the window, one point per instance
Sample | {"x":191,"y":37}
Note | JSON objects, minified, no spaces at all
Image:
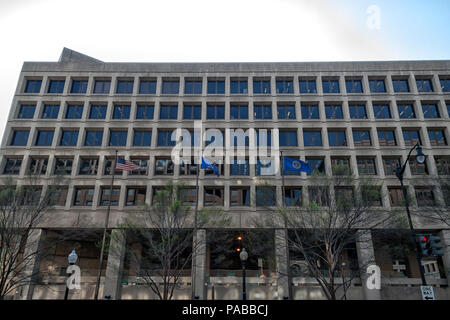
{"x":213,"y":196}
{"x":312,"y":138}
{"x":170,"y":87}
{"x":330,"y":86}
{"x":33,"y":86}
{"x":286,"y":111}
{"x":193,"y":87}
{"x":102,"y":86}
{"x":88,"y":166}
{"x":38,"y":166}
{"x":261,"y":112}
{"x":135,"y":196}
{"x":215,"y":112}
{"x":125,"y":86}
{"x":344,"y":197}
{"x":265,"y":196}
{"x":164,"y":138}
{"x":334,"y":112}
{"x":121,"y":112}
{"x":108,"y":167}
{"x":430,"y":111}
{"x":216,"y":86}
{"x":307,"y":86}
{"x":318,"y":195}
{"x":340,"y":166}
{"x":288,"y":138}
{"x":145,"y":112}
{"x":400,"y":85}
{"x":31,"y":196}
{"x":60,"y":196}
{"x":220,"y":168}
{"x":79,"y":86}
{"x":265,"y":167}
{"x":12,"y":166}
{"x":118,"y":138}
{"x":56,"y":86}
{"x":263,"y":137}
{"x":443,"y":164}
{"x":406,"y":111}
{"x":417,"y":168}
{"x":143,"y":163}
{"x":424,"y":196}
{"x":437,"y":137}
{"x":50,"y":111}
{"x":188,"y":196}
{"x":238,"y":86}
{"x":390,"y":165}
{"x":168,"y":112}
{"x":357,"y":111}
{"x":74,"y":111}
{"x":316,"y":165}
{"x":445,"y":85}
{"x":218,"y":138}
{"x":83,"y":196}
{"x":239,"y":167}
{"x":366,"y":166}
{"x":293,"y":196}
{"x":44,"y":138}
{"x":69,"y":138}
{"x":424,"y":85}
{"x":310,"y":111}
{"x":93,"y":138}
{"x":26,"y":111}
{"x":353,"y":86}
{"x":20,"y":137}
{"x":106,"y":196}
{"x":261,"y":86}
{"x":361,"y":138}
{"x":164,"y":167}
{"x":142,"y":138}
{"x":188,"y":168}
{"x":63,"y":166}
{"x":97,"y":112}
{"x":284,"y":86}
{"x":147,"y":86}
{"x":239,"y":196}
{"x":411,"y":137}
{"x":371,"y":195}
{"x":381,"y":111}
{"x":239,"y":137}
{"x":377,"y":86}
{"x":336,"y":138}
{"x":386,"y":138}
{"x":238,"y":112}
{"x":396,"y":196}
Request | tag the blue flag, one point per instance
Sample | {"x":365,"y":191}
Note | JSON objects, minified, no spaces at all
{"x":208,"y":165}
{"x":295,"y":165}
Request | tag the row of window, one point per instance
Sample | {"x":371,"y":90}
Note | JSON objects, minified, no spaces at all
{"x":366,"y":165}
{"x":237,"y":137}
{"x":238,"y":195}
{"x":262,"y":111}
{"x":284,"y":85}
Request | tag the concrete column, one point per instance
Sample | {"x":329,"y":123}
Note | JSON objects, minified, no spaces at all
{"x":445,"y":239}
{"x":31,"y":268}
{"x":366,"y":257}
{"x":199,"y":264}
{"x":114,"y":265}
{"x":282,"y":263}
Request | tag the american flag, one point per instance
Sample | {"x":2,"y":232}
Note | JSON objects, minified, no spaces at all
{"x":126,"y":165}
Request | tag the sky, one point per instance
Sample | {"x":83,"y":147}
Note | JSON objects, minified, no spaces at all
{"x":218,"y":31}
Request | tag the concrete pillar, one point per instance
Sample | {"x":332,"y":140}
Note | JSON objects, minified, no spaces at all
{"x":31,"y":268}
{"x":445,"y":239}
{"x":366,"y":257}
{"x":282,"y":263}
{"x":114,"y":265}
{"x":199,"y":265}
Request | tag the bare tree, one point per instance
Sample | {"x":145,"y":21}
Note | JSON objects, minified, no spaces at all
{"x":165,"y":233}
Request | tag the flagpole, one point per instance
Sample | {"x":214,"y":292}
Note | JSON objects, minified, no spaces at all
{"x":194,"y":256}
{"x":285,"y":229}
{"x":100,"y":264}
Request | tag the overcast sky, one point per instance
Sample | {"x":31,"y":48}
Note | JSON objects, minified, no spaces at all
{"x":218,"y":31}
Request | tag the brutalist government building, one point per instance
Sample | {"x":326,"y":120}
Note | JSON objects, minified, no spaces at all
{"x":365,"y":116}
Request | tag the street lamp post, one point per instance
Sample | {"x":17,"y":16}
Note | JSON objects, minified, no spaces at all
{"x":343,"y":280}
{"x":243,"y":255}
{"x":420,"y":158}
{"x":72,"y":258}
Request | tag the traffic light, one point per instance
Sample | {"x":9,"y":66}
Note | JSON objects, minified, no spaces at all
{"x":430,"y":245}
{"x":436,"y":246}
{"x":238,"y":243}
